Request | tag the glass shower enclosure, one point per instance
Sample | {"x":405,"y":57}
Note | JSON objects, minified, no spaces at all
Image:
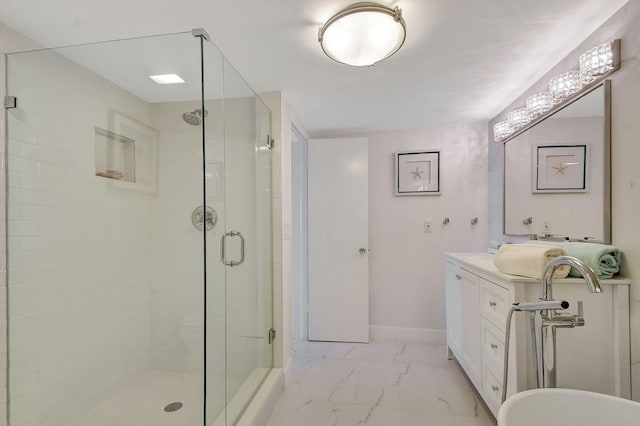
{"x":139,"y":235}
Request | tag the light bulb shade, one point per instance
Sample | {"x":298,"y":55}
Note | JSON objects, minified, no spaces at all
{"x":363,"y":34}
{"x":538,"y":104}
{"x":596,"y":62}
{"x":518,"y":118}
{"x":564,"y":85}
{"x":501,"y":130}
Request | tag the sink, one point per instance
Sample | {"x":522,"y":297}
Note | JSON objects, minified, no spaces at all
{"x":567,"y":407}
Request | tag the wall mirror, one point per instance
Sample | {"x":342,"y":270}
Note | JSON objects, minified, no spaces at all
{"x":557,"y":173}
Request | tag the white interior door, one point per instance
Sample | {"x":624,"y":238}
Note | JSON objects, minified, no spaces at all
{"x":338,"y":240}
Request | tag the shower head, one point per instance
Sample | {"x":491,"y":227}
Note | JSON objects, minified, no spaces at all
{"x":194,"y":117}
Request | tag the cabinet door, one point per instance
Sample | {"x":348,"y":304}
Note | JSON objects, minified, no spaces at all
{"x":454,"y":309}
{"x":471,"y":337}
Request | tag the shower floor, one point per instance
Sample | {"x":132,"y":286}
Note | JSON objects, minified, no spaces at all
{"x":142,"y":402}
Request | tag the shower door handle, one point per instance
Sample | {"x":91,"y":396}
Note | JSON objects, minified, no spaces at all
{"x":223,"y":249}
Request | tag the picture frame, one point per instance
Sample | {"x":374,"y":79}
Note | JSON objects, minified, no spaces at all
{"x":417,"y":173}
{"x":144,"y":142}
{"x":559,"y":168}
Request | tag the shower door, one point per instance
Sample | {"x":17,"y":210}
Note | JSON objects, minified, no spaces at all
{"x":244,"y":179}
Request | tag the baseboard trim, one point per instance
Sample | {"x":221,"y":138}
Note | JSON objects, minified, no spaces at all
{"x":420,"y":335}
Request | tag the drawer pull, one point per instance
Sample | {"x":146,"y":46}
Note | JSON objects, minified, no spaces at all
{"x":495,"y":388}
{"x":494,"y":346}
{"x":492,"y":304}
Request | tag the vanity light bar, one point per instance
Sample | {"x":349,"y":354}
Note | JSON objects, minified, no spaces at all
{"x":518,"y":118}
{"x":563,"y":86}
{"x":502,"y":129}
{"x":538,"y":104}
{"x":595,"y":64}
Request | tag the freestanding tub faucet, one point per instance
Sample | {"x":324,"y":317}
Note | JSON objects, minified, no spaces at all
{"x":545,"y":322}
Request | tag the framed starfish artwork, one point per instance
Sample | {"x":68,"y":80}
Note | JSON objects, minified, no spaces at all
{"x":560,"y":168}
{"x":417,"y":173}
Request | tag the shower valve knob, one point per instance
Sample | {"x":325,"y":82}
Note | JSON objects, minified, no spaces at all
{"x":204,"y":217}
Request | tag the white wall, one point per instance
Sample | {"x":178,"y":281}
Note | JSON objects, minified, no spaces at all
{"x":80,"y":248}
{"x":625,"y":175}
{"x":406,"y":265}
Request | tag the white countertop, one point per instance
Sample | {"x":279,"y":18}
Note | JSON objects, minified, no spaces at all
{"x":484,"y":262}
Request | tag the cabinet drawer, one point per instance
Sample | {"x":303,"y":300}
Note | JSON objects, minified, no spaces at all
{"x":492,"y":348}
{"x":495,"y":303}
{"x":492,"y":390}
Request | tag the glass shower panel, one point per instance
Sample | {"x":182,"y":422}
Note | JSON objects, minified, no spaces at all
{"x":247,"y":242}
{"x":264,"y":217}
{"x":214,"y":198}
{"x":105,"y":268}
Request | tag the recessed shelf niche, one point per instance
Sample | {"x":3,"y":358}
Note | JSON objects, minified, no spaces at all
{"x":115,"y":156}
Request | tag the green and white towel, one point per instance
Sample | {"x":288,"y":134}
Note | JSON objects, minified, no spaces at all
{"x":604,"y":259}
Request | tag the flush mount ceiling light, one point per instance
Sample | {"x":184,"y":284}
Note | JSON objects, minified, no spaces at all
{"x":363,"y":34}
{"x":167,"y":78}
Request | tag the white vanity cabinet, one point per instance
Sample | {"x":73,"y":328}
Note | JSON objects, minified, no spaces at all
{"x":478,"y":298}
{"x":462,"y":319}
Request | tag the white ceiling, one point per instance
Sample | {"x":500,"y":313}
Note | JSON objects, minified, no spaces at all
{"x":463,"y":60}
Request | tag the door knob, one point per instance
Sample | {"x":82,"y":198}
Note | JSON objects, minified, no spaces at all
{"x":363,"y":250}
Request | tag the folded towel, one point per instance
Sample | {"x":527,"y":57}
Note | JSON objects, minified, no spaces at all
{"x":528,"y":260}
{"x":602,"y":258}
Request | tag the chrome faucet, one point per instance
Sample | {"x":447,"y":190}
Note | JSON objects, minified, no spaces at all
{"x":545,"y":322}
{"x":589,"y":276}
{"x":546,"y":319}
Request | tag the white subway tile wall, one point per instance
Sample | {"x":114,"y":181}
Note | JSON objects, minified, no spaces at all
{"x":79,"y":269}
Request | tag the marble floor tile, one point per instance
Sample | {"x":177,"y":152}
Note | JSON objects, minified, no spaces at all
{"x":382,"y":383}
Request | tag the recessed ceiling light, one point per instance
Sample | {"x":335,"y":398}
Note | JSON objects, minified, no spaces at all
{"x":167,"y":79}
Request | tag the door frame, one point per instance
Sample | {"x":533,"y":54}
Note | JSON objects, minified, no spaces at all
{"x":300,"y":261}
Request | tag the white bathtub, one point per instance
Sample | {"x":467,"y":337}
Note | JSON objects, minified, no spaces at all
{"x":567,"y":407}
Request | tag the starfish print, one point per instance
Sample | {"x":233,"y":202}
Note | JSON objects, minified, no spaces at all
{"x":560,"y":168}
{"x":417,"y":174}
